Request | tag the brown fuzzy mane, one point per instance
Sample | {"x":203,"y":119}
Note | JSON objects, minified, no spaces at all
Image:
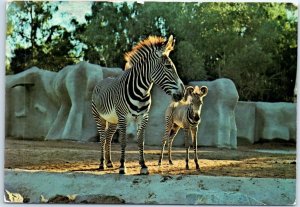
{"x":143,"y":49}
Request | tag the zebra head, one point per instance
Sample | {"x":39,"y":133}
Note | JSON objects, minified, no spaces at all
{"x":165,"y":74}
{"x":195,"y":95}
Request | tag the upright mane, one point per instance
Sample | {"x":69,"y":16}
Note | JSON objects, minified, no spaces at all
{"x":143,"y":49}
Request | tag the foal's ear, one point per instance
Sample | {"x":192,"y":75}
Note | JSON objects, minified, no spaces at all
{"x":204,"y":90}
{"x":188,"y":91}
{"x":169,"y":46}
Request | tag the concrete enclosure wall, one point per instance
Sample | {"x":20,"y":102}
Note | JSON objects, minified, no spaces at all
{"x":53,"y":106}
{"x":261,"y":120}
{"x":44,"y":105}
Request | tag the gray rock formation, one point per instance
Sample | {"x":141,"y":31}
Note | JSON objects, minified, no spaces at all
{"x":217,"y":127}
{"x":47,"y":105}
{"x":245,"y":120}
{"x":268,"y":121}
{"x":209,"y":197}
{"x":56,"y":106}
{"x":275,"y":120}
{"x":113,"y":188}
{"x":31,"y":103}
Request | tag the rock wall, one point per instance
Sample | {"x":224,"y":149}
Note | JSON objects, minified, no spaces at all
{"x":245,"y":120}
{"x":47,"y":105}
{"x":261,"y":120}
{"x":217,"y":127}
{"x":30,"y":106}
{"x":56,"y":106}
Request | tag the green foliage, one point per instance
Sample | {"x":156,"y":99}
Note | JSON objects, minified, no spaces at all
{"x":105,"y":34}
{"x":249,"y":63}
{"x":191,"y":68}
{"x":36,"y":42}
{"x":254,"y":44}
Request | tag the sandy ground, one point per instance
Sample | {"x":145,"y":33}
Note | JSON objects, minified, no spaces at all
{"x":67,"y":156}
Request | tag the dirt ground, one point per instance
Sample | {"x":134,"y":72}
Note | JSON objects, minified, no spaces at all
{"x":67,"y":156}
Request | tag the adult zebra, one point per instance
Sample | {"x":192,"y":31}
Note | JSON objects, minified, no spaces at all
{"x":126,"y":100}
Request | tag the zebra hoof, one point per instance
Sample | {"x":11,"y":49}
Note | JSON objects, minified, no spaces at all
{"x":109,"y":165}
{"x":101,"y":168}
{"x":187,"y":167}
{"x":144,"y":171}
{"x":198,"y":168}
{"x":170,"y":162}
{"x":122,"y":171}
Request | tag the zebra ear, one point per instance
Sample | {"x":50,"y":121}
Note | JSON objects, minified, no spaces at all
{"x":204,"y":90}
{"x":188,"y":91}
{"x":169,"y":46}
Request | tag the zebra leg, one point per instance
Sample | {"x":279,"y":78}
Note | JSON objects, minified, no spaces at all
{"x":123,"y":140}
{"x":165,"y":138}
{"x":187,"y":147}
{"x":101,"y":124}
{"x":109,"y":135}
{"x":164,"y":141}
{"x":141,"y":139}
{"x":194,"y":138}
{"x":173,"y":133}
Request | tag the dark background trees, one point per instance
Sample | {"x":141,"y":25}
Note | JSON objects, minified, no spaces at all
{"x":35,"y":40}
{"x":254,"y":44}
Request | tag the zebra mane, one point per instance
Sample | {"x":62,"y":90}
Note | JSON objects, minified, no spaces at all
{"x":143,"y":49}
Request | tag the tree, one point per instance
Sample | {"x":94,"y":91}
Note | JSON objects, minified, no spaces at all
{"x":253,"y":44}
{"x":35,"y":41}
{"x":106,"y":33}
{"x":257,"y":66}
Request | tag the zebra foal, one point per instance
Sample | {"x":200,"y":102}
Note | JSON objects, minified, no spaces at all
{"x":125,"y":101}
{"x":186,"y":115}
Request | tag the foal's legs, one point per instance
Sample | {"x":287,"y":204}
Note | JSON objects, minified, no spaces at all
{"x":172,"y":135}
{"x":194,"y":132}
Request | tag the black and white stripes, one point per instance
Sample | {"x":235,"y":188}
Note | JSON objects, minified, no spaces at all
{"x":184,"y":114}
{"x":125,"y":101}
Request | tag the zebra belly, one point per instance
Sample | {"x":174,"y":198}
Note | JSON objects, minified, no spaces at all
{"x":179,"y":118}
{"x":179,"y":123}
{"x":111,"y":117}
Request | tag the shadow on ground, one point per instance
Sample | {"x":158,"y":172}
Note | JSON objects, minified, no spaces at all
{"x":67,"y":156}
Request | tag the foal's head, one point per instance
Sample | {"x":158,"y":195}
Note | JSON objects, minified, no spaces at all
{"x":194,"y":96}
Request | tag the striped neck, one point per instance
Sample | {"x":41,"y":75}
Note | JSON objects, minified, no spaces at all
{"x":139,"y":82}
{"x":138,"y":85}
